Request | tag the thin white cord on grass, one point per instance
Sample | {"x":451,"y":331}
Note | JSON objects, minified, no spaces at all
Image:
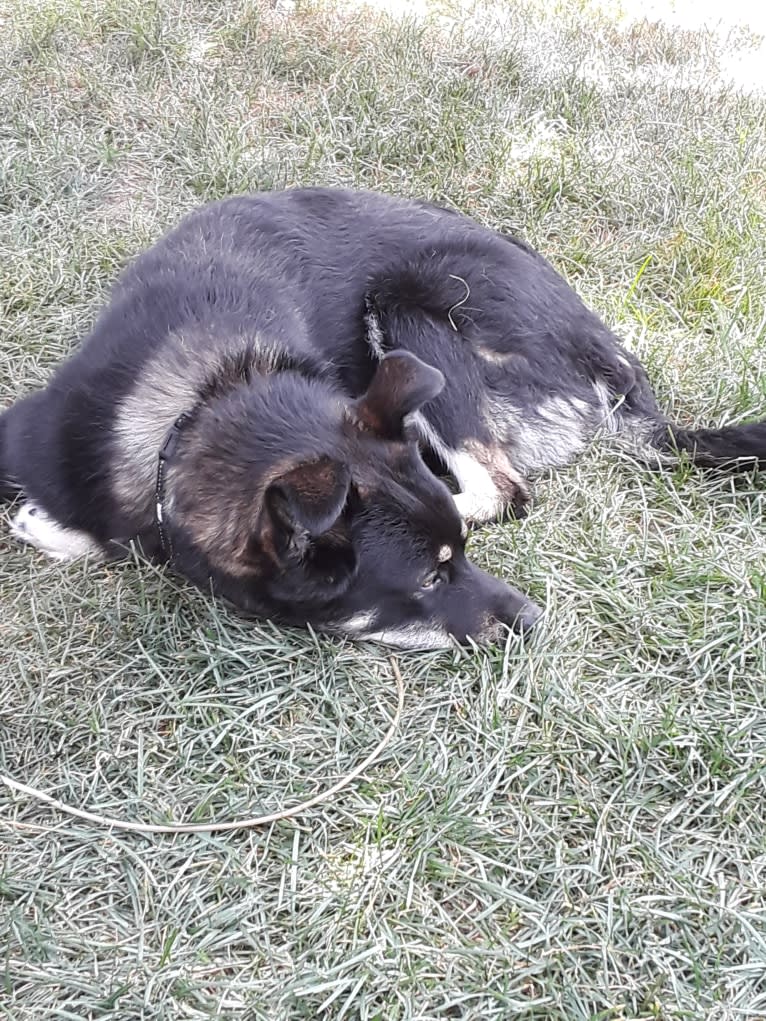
{"x":235,"y":824}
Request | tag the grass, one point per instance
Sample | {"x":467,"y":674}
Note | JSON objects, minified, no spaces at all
{"x":571,"y":829}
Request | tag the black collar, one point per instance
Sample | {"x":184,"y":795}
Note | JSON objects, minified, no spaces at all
{"x":164,"y":455}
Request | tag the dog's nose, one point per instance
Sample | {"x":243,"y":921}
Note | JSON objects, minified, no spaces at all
{"x":527,"y":617}
{"x":518,"y":612}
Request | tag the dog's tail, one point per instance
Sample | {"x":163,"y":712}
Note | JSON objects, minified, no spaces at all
{"x":736,"y":448}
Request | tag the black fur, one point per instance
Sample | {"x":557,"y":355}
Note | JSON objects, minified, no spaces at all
{"x":298,"y":488}
{"x":737,"y":447}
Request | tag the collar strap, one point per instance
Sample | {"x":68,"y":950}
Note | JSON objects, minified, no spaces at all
{"x":164,"y":455}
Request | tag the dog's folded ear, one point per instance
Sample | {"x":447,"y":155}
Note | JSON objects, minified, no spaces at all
{"x":308,"y":499}
{"x":401,"y":385}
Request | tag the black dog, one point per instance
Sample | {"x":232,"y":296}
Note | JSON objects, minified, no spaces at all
{"x":255,"y":403}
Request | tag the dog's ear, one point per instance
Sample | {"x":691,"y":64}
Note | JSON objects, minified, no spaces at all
{"x":306,"y":501}
{"x":401,"y":385}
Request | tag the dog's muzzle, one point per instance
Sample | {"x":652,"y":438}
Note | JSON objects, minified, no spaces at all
{"x":517,"y":612}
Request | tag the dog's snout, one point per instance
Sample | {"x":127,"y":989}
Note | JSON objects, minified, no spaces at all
{"x":518,"y":612}
{"x":527,"y":617}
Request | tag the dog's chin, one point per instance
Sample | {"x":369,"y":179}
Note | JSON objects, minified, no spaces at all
{"x":411,"y":637}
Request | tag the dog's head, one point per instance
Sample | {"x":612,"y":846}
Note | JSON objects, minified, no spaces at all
{"x":337,"y":522}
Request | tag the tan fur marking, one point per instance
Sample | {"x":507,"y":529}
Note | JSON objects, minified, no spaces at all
{"x":167,"y":386}
{"x":488,"y":480}
{"x":510,"y":482}
{"x":217,"y":522}
{"x":222,"y":527}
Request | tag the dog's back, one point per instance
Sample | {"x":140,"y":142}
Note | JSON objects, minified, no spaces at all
{"x":272,"y":279}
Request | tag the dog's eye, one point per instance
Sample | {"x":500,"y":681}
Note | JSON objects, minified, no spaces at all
{"x":438,"y":576}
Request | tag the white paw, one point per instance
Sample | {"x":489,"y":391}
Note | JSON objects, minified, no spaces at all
{"x":32,"y":525}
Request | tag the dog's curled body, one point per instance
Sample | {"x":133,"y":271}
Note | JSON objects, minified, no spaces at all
{"x":284,"y":325}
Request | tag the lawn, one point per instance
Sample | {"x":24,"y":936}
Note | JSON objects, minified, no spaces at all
{"x":571,"y":828}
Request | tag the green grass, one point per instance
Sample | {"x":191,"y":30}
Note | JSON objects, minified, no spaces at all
{"x":568,"y":830}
